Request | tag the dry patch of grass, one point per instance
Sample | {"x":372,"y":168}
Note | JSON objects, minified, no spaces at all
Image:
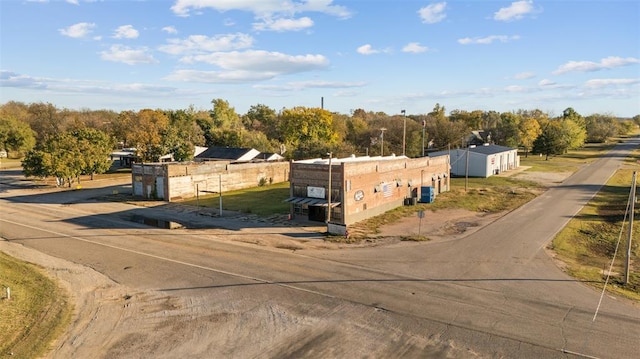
{"x":36,"y":313}
{"x":588,"y":243}
{"x":488,"y":195}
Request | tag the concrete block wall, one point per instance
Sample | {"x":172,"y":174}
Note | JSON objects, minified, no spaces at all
{"x":182,"y":180}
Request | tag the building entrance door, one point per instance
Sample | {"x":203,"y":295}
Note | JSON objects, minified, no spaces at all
{"x":317,"y":213}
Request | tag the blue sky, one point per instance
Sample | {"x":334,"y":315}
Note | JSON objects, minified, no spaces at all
{"x":375,"y":55}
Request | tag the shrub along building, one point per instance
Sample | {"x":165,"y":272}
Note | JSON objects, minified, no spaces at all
{"x":343,"y":191}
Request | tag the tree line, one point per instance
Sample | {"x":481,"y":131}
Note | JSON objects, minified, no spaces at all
{"x":68,"y":143}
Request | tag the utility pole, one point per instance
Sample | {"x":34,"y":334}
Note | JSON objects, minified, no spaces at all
{"x":466,"y":170}
{"x":424,"y":124}
{"x":220,"y":190}
{"x":632,"y":196}
{"x":329,"y":194}
{"x":382,"y":141}
{"x":404,"y":131}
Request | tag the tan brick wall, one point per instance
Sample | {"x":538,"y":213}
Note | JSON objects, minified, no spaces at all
{"x":361,"y":184}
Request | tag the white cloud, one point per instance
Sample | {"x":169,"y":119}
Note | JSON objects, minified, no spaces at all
{"x":11,"y":79}
{"x":170,"y":30}
{"x":524,"y":76}
{"x":284,"y":24}
{"x":516,"y":11}
{"x":516,"y":88}
{"x":262,"y":8}
{"x":126,"y":32}
{"x":79,"y":30}
{"x":487,"y":40}
{"x":589,"y":66}
{"x":273,"y":63}
{"x":221,"y":77}
{"x":301,"y":85}
{"x":546,"y":83}
{"x":433,"y":13}
{"x":198,"y":44}
{"x":599,"y":83}
{"x":127,"y":55}
{"x":367,"y":50}
{"x":415,"y":48}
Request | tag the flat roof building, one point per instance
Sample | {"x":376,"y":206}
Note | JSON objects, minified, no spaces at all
{"x":361,"y":187}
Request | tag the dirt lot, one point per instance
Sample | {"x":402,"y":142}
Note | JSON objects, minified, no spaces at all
{"x":111,"y":320}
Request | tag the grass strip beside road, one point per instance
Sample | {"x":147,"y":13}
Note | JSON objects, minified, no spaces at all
{"x":36,"y":313}
{"x":587,"y":244}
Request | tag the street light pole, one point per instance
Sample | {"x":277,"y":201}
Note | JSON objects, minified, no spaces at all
{"x":404,"y":131}
{"x":424,"y":123}
{"x":382,"y":141}
{"x":329,"y":195}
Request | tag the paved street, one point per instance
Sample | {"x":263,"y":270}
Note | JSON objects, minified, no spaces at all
{"x":493,"y":293}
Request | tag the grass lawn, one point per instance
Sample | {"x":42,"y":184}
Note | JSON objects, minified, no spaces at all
{"x":493,"y":194}
{"x":263,"y":201}
{"x":588,"y":243}
{"x":36,"y":313}
{"x":568,"y":162}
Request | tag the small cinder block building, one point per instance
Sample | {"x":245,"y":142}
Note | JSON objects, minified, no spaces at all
{"x":343,"y":191}
{"x":173,"y":181}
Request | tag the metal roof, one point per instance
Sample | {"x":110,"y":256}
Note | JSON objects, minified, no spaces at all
{"x":490,"y":149}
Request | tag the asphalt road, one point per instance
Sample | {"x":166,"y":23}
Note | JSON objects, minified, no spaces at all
{"x":495,"y":292}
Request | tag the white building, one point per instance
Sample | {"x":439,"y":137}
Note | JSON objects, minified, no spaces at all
{"x":482,"y":161}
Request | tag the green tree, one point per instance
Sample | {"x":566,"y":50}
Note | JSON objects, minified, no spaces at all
{"x":224,"y":116}
{"x":37,"y":163}
{"x":490,"y":120}
{"x":601,"y":127}
{"x":264,"y":119}
{"x":182,"y":134}
{"x":123,"y":126}
{"x":224,"y":127}
{"x":301,"y":126}
{"x":551,"y":141}
{"x":45,"y":120}
{"x":574,"y":134}
{"x":507,"y":131}
{"x":570,"y":114}
{"x":446,"y":134}
{"x":16,"y":137}
{"x":528,"y":130}
{"x":259,"y":141}
{"x":146,"y":134}
{"x":68,"y":155}
{"x":94,"y":147}
{"x":58,"y":156}
{"x":438,"y":113}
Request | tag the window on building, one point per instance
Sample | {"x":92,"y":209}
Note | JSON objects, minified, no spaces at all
{"x":299,"y":191}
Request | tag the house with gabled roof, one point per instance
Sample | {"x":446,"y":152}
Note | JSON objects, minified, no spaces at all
{"x":232,"y":154}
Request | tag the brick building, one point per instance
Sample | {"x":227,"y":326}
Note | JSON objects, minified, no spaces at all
{"x":361,"y":187}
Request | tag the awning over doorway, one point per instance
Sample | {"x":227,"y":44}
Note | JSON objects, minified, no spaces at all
{"x":311,"y":201}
